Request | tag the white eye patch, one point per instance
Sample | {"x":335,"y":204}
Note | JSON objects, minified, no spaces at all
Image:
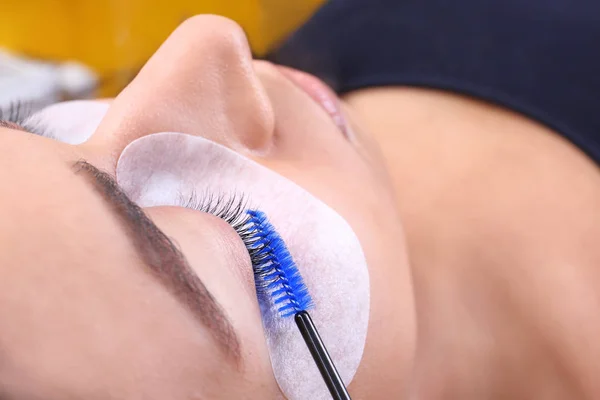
{"x":71,"y":122}
{"x":158,"y":169}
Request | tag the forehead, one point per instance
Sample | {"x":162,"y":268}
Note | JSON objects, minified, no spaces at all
{"x":78,"y":316}
{"x":41,"y":195}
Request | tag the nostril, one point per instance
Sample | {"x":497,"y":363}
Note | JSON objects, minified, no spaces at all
{"x":201,"y":81}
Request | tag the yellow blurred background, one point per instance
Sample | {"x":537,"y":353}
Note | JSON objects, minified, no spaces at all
{"x":115,"y":37}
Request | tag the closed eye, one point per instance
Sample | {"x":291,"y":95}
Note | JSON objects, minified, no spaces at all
{"x":20,"y":116}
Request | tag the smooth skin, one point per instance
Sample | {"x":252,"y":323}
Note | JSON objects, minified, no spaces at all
{"x":501,"y":215}
{"x":502,"y":218}
{"x":81,"y":317}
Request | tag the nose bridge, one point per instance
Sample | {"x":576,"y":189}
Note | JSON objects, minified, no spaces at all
{"x":201,"y":81}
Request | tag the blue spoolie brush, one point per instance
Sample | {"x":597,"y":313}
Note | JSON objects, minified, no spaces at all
{"x":276,"y":275}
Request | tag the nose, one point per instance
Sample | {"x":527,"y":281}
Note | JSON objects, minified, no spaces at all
{"x":201,"y":81}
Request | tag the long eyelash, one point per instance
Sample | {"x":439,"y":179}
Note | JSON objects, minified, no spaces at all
{"x":19,"y":113}
{"x":234,"y":210}
{"x":230,"y":208}
{"x":16,"y":112}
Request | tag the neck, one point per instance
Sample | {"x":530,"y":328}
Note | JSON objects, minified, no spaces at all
{"x":499,"y":214}
{"x":480,"y":339}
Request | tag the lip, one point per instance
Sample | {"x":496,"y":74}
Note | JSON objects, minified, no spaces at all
{"x":320,"y":93}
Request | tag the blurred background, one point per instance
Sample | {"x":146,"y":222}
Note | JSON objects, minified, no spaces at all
{"x":55,"y":50}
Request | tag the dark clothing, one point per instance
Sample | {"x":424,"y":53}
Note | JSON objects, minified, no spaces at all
{"x":538,"y":57}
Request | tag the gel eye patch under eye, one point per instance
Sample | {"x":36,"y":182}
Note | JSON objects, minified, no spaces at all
{"x":159,"y":169}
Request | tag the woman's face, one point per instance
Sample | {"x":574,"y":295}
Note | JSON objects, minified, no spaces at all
{"x":96,"y":302}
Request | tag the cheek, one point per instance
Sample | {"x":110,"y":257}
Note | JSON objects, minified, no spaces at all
{"x":158,"y":169}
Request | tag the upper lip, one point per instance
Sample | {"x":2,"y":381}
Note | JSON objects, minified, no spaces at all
{"x":320,"y":93}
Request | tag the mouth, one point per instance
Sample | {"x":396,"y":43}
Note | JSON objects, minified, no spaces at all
{"x":320,"y":93}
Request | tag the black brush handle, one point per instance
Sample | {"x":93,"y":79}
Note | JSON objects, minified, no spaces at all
{"x":319,"y":352}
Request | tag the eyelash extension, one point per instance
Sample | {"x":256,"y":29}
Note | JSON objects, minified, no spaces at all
{"x":17,"y":112}
{"x":18,"y":115}
{"x":234,"y":210}
{"x":230,"y":208}
{"x":276,"y":275}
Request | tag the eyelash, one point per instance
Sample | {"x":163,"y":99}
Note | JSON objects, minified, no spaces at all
{"x":233,"y":210}
{"x":230,"y":208}
{"x":19,"y":114}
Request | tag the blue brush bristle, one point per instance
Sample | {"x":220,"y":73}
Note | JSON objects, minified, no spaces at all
{"x":275,"y":272}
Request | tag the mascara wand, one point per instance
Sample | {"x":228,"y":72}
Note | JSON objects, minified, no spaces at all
{"x":319,"y":352}
{"x":276,"y":275}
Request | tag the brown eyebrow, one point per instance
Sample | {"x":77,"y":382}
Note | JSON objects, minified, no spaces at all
{"x":164,"y":260}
